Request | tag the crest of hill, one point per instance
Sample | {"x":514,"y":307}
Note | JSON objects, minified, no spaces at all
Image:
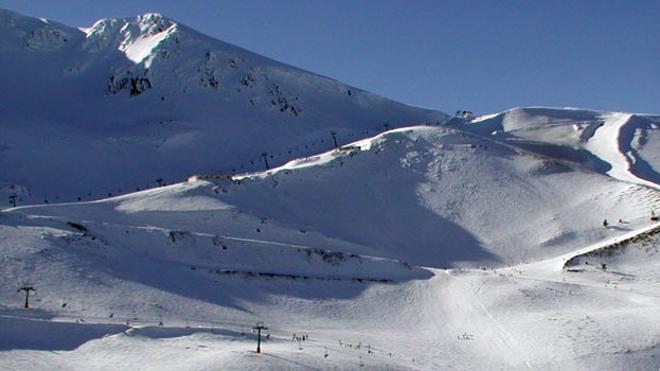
{"x":447,"y":198}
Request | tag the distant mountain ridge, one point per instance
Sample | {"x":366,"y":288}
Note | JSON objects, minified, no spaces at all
{"x":623,"y":145}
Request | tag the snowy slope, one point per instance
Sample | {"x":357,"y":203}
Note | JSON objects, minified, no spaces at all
{"x":470,"y":245}
{"x":452,"y":197}
{"x":625,"y":261}
{"x":113,"y":107}
{"x":517,"y":318}
{"x":622,"y":145}
{"x":343,"y":246}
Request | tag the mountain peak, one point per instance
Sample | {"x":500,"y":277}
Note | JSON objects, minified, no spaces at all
{"x":152,"y":24}
{"x":162,"y":93}
{"x":136,"y":37}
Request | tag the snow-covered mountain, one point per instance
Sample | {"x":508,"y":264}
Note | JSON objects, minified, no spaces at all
{"x":520,"y":240}
{"x":346,"y":245}
{"x":451,"y":197}
{"x":621,"y":144}
{"x":112,"y":108}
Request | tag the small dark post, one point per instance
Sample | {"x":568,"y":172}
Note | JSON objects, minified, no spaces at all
{"x":265,"y":156}
{"x":259,"y":326}
{"x":27,"y":290}
{"x":334,"y":138}
{"x":12,"y":200}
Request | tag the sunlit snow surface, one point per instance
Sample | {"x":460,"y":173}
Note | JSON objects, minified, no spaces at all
{"x":622,"y":145}
{"x":469,"y":245}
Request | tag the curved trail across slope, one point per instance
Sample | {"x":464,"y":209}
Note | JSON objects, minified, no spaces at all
{"x":607,"y":143}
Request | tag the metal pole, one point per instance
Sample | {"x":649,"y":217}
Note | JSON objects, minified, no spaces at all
{"x":259,"y":326}
{"x":27,"y":295}
{"x":259,"y":340}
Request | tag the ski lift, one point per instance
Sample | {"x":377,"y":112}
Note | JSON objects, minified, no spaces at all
{"x":467,"y":115}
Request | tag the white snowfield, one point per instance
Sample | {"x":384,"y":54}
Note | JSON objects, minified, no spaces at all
{"x":524,"y":240}
{"x":400,"y":252}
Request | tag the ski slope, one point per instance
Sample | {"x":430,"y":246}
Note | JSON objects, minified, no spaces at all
{"x":457,"y":319}
{"x":373,"y":290}
{"x":453,"y":195}
{"x":386,"y":236}
{"x":619,"y":144}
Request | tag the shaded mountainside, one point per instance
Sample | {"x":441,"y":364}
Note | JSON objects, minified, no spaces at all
{"x":116,"y":106}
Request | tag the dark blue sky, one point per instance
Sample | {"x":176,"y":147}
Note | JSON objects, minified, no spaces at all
{"x":479,"y":55}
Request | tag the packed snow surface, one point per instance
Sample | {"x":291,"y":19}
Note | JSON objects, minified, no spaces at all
{"x":363,"y":233}
{"x":176,"y":276}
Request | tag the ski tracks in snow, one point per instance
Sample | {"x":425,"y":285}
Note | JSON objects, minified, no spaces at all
{"x":473,"y":309}
{"x":506,"y":335}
